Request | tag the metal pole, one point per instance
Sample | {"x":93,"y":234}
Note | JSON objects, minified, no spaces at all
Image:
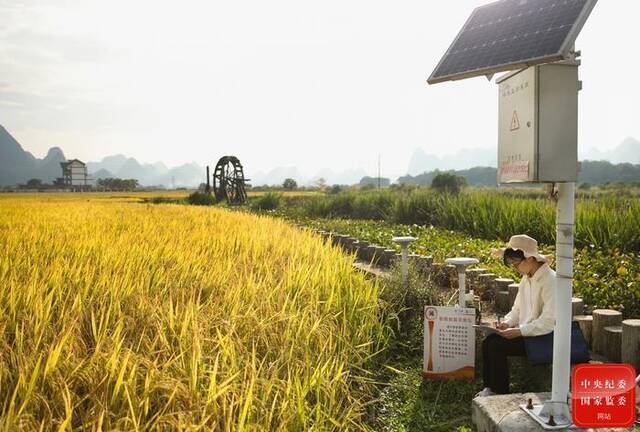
{"x":404,"y":269}
{"x":208,"y":187}
{"x":558,"y":406}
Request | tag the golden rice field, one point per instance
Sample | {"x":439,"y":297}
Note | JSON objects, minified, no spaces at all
{"x":117,"y":315}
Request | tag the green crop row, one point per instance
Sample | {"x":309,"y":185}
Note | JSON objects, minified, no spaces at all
{"x":603,"y":277}
{"x":605,"y":220}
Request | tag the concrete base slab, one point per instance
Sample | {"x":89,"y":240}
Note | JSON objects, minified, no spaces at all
{"x":502,"y":413}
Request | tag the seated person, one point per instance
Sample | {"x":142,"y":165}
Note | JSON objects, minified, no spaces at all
{"x":533,"y":312}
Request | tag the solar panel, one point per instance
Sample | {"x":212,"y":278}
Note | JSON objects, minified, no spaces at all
{"x":513,"y":34}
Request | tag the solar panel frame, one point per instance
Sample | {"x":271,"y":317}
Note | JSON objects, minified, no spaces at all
{"x":562,"y":53}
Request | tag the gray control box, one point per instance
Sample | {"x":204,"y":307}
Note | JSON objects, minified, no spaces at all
{"x":538,"y":124}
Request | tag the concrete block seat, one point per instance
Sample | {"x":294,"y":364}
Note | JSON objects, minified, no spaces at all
{"x":503,"y":413}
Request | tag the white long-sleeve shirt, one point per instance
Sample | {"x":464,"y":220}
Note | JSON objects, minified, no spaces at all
{"x":534,"y":308}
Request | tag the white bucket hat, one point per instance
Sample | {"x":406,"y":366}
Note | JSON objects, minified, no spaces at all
{"x":528,"y":246}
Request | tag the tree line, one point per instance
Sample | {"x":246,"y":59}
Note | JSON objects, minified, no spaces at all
{"x":110,"y":184}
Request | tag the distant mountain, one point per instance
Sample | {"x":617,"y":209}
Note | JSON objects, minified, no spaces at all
{"x":347,"y":177}
{"x":476,"y":176}
{"x":628,"y":151}
{"x":421,"y":161}
{"x":277,"y":176}
{"x":187,"y":175}
{"x":14,"y":160}
{"x":18,"y":166}
{"x":156,"y":174}
{"x":373,"y":181}
{"x":109,"y":163}
{"x":599,"y":172}
{"x":592,"y":172}
{"x":49,"y":167}
{"x":102,"y":174}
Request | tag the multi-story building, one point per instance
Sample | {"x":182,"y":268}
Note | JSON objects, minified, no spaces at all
{"x":75,"y":175}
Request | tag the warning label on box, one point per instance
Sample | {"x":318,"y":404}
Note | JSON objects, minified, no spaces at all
{"x":514,"y":171}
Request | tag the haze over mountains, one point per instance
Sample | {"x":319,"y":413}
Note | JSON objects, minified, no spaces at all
{"x":18,"y":166}
{"x":626,"y":152}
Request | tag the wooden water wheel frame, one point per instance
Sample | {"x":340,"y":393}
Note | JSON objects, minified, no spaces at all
{"x":229,"y":181}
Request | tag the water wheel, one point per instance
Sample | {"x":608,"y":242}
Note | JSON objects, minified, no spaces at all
{"x":229,"y":181}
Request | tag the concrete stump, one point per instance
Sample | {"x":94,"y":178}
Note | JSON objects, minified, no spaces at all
{"x":502,"y":284}
{"x":586,"y":325}
{"x":502,"y":302}
{"x":370,"y":253}
{"x":425,"y":261}
{"x":631,"y":342}
{"x":362,"y":250}
{"x":472,"y":278}
{"x":378,"y":254}
{"x":577,"y":306}
{"x":476,"y":272}
{"x":452,"y":274}
{"x":440,"y":275}
{"x":513,"y":292}
{"x":603,"y":318}
{"x":387,"y":257}
{"x":355,"y":247}
{"x":486,"y":289}
{"x":613,"y":344}
{"x":351,"y":244}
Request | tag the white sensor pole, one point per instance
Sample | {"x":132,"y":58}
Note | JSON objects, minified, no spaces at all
{"x":404,"y":265}
{"x":461,"y":267}
{"x":558,"y":406}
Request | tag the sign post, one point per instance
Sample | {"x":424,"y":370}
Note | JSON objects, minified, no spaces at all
{"x":449,"y":343}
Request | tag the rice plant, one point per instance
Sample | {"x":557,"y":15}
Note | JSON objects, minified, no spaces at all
{"x":128,"y":316}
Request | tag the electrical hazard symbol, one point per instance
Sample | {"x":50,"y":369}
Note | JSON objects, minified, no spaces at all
{"x":515,"y":122}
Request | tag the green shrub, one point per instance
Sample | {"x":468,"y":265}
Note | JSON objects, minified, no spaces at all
{"x":409,"y":301}
{"x":201,"y":198}
{"x":447,"y":182}
{"x":268,"y":201}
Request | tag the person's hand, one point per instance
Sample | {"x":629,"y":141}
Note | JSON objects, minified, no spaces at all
{"x":502,"y":326}
{"x":511,"y":333}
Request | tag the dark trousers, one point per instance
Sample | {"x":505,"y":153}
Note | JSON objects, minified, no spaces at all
{"x":495,"y":368}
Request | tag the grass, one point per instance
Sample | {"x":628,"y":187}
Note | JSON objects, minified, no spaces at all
{"x":121,"y":316}
{"x":406,"y":402}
